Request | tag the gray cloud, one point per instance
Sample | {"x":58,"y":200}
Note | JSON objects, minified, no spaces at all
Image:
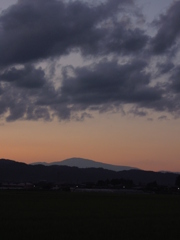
{"x":19,"y":90}
{"x":33,"y":30}
{"x":27,"y":77}
{"x":106,"y":86}
{"x":20,"y":104}
{"x":168,"y":29}
{"x":124,"y":40}
{"x":165,"y":67}
{"x":163,"y":117}
{"x":122,"y":58}
{"x":108,"y":82}
{"x":175,"y":77}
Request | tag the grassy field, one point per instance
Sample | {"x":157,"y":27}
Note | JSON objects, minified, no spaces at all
{"x":55,"y":215}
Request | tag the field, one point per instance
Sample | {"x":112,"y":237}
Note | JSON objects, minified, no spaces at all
{"x":55,"y":215}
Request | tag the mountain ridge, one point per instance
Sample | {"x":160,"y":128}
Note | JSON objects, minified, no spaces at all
{"x":85,"y":163}
{"x":12,"y":171}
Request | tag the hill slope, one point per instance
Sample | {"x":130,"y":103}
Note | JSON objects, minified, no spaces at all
{"x":85,"y":163}
{"x":11,"y":171}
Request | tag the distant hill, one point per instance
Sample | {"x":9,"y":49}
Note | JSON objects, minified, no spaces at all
{"x":12,"y":171}
{"x":85,"y":163}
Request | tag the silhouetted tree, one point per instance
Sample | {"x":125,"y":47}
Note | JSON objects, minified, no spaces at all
{"x":152,"y":185}
{"x":127,"y":183}
{"x":177,"y":183}
{"x":101,"y":183}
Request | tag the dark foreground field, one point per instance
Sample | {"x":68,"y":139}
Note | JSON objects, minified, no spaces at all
{"x":56,"y":215}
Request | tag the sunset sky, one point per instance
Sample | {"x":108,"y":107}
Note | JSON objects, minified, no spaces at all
{"x":92,"y":79}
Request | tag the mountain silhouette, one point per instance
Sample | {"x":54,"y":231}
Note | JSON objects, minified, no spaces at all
{"x":12,"y":171}
{"x":85,"y":163}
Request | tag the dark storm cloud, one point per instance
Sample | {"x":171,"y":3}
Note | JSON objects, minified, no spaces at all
{"x":20,"y":89}
{"x":36,"y":29}
{"x":165,"y":67}
{"x":105,"y":86}
{"x":122,"y":52}
{"x":20,"y":103}
{"x":168,"y":29}
{"x":27,"y":77}
{"x":108,"y":83}
{"x":101,"y":87}
{"x":175,"y":83}
{"x":122,"y":40}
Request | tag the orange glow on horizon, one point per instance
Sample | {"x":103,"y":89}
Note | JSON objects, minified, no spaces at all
{"x":142,"y":144}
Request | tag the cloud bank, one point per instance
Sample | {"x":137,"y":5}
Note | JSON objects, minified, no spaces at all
{"x":124,"y":63}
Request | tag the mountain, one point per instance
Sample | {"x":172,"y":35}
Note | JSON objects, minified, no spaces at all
{"x":85,"y":163}
{"x":12,"y":171}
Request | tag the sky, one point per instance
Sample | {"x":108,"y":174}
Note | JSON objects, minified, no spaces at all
{"x":93,"y":79}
